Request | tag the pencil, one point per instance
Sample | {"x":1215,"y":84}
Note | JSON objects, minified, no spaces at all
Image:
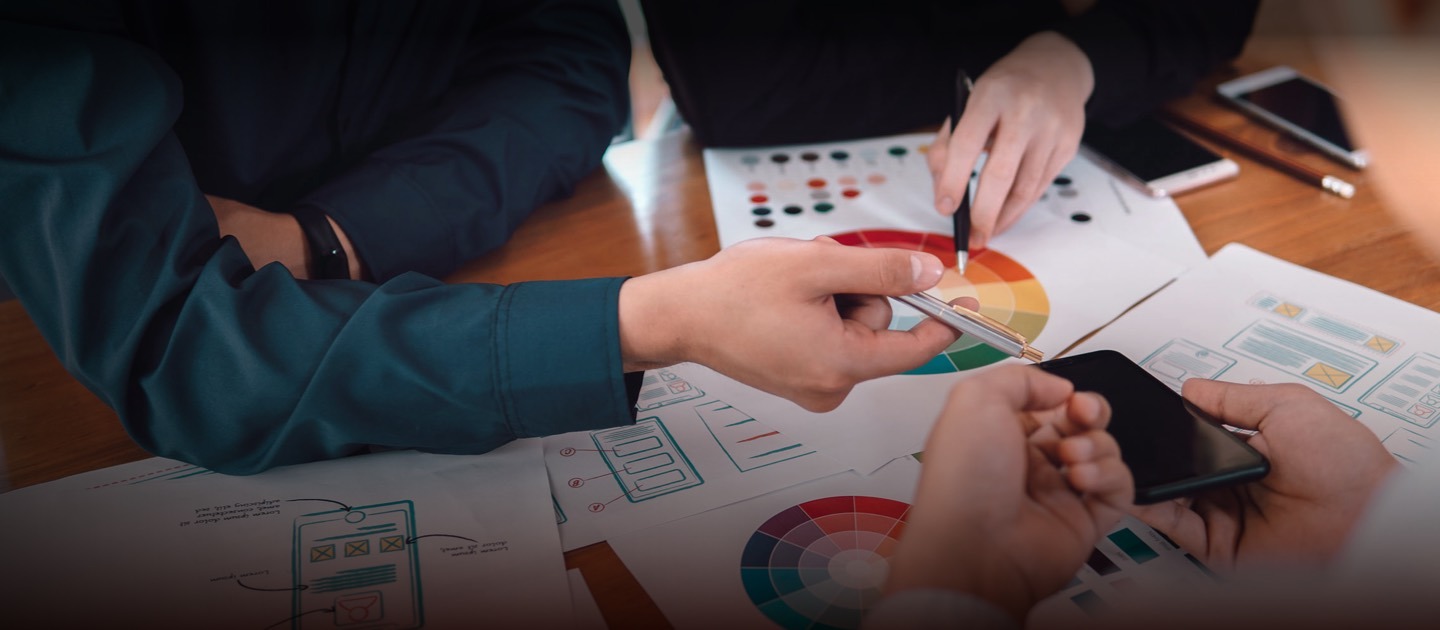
{"x":961,"y":219}
{"x":1299,"y":171}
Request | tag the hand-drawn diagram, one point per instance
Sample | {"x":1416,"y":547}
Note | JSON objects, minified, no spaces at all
{"x":1180,"y":360}
{"x":748,"y":443}
{"x":646,"y":460}
{"x":1410,"y":393}
{"x":1298,"y":354}
{"x":358,"y":565}
{"x":1408,"y":446}
{"x":663,"y":387}
{"x":1351,"y":334}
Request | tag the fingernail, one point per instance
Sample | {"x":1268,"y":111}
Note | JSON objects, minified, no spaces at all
{"x":947,"y":205}
{"x":926,"y":270}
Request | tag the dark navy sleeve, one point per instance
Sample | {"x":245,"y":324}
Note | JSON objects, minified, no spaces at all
{"x":539,"y":96}
{"x":116,"y":256}
{"x":1146,"y":52}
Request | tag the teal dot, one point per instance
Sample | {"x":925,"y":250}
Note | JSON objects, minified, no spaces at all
{"x":897,"y":151}
{"x":824,"y":207}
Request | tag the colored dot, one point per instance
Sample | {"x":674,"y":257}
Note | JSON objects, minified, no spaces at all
{"x":810,"y":156}
{"x":823,"y":207}
{"x":780,"y":158}
{"x":839,"y":156}
{"x":793,"y":209}
{"x":1069,"y":193}
{"x":764,"y":223}
{"x":847,"y":180}
{"x":898,"y":151}
{"x":1080,"y":217}
{"x":758,"y":199}
{"x":760,"y":211}
{"x":819,"y":194}
{"x":786,"y":184}
{"x":816,"y":183}
{"x":924,"y":148}
{"x":1062,"y":180}
{"x":749,"y":160}
{"x":756,"y":186}
{"x":875,"y":178}
{"x":850,"y":193}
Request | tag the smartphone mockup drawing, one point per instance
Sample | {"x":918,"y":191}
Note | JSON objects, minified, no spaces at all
{"x":1297,"y":105}
{"x":1172,"y":447}
{"x":357,"y":567}
{"x":1154,"y":158}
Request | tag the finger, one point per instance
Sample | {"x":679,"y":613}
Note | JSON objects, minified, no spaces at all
{"x":994,"y":186}
{"x":939,"y":150}
{"x":872,"y":311}
{"x":971,"y":133}
{"x":1243,"y":406}
{"x":1108,"y":477}
{"x":826,"y":239}
{"x":1016,"y":388}
{"x":1086,"y":411}
{"x":879,"y":353}
{"x":866,"y":271}
{"x":1029,"y":181}
{"x":1087,"y":448}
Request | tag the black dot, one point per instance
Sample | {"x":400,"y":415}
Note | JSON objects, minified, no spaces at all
{"x":839,"y":156}
{"x":780,"y":158}
{"x":764,"y":223}
{"x":1080,"y":217}
{"x":793,"y":209}
{"x":809,"y":156}
{"x":760,"y":211}
{"x":1062,"y":180}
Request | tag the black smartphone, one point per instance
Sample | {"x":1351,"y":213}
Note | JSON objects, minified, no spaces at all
{"x":1171,"y":446}
{"x":1154,"y":158}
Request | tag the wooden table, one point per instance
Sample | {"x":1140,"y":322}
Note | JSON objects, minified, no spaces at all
{"x":649,"y":209}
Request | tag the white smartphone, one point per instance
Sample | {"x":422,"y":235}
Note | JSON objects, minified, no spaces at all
{"x":1297,"y":105}
{"x":1154,"y":158}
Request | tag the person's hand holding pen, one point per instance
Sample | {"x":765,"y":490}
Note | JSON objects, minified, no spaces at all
{"x":1029,"y":110}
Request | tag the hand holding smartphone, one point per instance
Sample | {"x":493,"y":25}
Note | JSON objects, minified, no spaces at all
{"x":1172,"y":447}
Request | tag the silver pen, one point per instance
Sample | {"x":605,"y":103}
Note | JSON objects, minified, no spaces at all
{"x":986,"y":330}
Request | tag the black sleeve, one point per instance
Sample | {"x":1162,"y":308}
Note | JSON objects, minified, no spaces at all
{"x":1145,"y":52}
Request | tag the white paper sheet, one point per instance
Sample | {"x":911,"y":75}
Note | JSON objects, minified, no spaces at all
{"x":427,"y":539}
{"x":1063,"y":284}
{"x":587,"y":612}
{"x":687,"y":452}
{"x":1247,"y":317}
{"x":895,"y":191}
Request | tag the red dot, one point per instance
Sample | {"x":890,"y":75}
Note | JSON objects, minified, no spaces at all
{"x":756,"y":186}
{"x":816,"y":183}
{"x":759,"y":199}
{"x":850,"y":192}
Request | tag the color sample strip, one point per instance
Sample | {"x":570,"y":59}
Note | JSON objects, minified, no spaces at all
{"x":1131,"y":545}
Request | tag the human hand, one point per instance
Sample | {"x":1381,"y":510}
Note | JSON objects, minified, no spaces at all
{"x":1324,"y":467}
{"x":270,"y":237}
{"x":1029,"y":108}
{"x":799,"y":319}
{"x":1020,"y":481}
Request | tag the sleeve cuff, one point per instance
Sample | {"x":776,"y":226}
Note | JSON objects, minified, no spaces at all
{"x":559,"y":356}
{"x":1117,"y":56}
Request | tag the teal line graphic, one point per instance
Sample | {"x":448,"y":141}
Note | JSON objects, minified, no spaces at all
{"x":355,"y":578}
{"x":748,"y":443}
{"x":645,"y":460}
{"x":1410,"y":393}
{"x":560,"y":517}
{"x":663,"y":387}
{"x":1181,"y":359}
{"x":1301,"y":355}
{"x":334,"y":555}
{"x":1354,"y":335}
{"x":359,"y":535}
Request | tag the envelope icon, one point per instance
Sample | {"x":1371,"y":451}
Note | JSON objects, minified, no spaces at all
{"x":357,"y":548}
{"x":322,"y":552}
{"x":1327,"y":375}
{"x":359,"y":608}
{"x":392,"y":543}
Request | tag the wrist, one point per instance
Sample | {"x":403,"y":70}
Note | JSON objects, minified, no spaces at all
{"x":649,"y":334}
{"x":1069,"y":63}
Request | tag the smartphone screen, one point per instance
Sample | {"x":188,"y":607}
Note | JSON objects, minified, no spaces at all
{"x":1172,"y":447}
{"x":1304,"y":104}
{"x":1147,"y":149}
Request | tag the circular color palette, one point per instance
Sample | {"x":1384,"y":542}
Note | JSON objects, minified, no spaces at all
{"x":1007,"y":292}
{"x":822,"y":563}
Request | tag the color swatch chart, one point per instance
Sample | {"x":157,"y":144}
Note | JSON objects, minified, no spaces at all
{"x":1006,"y":290}
{"x":822,"y":563}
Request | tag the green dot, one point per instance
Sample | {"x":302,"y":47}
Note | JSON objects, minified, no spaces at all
{"x":897,"y":151}
{"x":824,"y":207}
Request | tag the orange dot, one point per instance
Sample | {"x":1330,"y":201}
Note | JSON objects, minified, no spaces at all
{"x":846,"y":180}
{"x":756,"y":186}
{"x":875,"y":178}
{"x":816,"y":183}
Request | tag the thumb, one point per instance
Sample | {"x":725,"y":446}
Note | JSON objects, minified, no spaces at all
{"x":1244,"y":406}
{"x":867,"y":271}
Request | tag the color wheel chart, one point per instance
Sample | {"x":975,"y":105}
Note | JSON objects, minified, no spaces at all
{"x":822,"y":563}
{"x":1007,"y":292}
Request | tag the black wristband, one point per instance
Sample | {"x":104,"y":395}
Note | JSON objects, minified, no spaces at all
{"x":327,"y":258}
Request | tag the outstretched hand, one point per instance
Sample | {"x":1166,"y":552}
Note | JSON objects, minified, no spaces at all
{"x":1324,"y":467}
{"x":1020,"y":481}
{"x":805,"y":320}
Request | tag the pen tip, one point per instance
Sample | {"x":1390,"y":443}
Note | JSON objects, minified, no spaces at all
{"x":961,"y":260}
